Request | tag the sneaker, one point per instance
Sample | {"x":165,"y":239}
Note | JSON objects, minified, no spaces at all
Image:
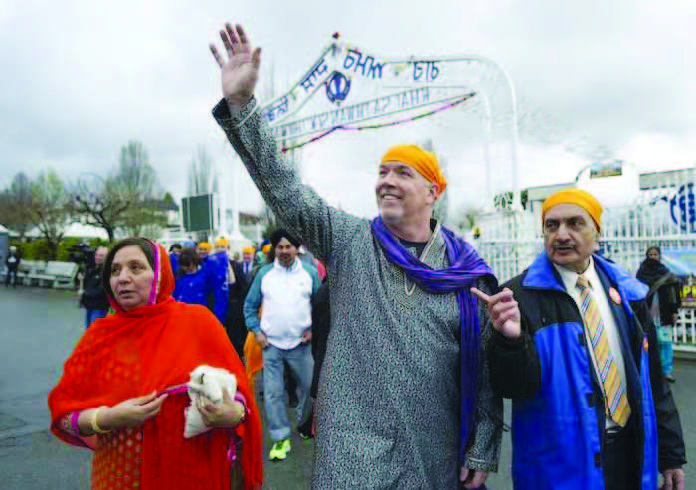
{"x":670,"y":378}
{"x":305,"y":430}
{"x":280,"y":450}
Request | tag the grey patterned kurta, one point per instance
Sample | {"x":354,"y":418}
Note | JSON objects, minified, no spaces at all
{"x":388,"y":409}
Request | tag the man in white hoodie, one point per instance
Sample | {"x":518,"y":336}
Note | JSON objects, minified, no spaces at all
{"x":286,"y":289}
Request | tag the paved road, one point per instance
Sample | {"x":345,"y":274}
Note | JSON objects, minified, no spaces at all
{"x":38,"y":329}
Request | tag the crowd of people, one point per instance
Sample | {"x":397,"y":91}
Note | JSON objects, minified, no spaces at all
{"x":399,"y":339}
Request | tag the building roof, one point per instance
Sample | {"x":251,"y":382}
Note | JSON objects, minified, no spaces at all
{"x":540,"y":193}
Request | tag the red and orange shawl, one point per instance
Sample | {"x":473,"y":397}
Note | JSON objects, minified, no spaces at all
{"x":155,"y":347}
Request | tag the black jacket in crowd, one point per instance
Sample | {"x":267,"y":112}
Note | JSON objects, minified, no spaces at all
{"x":13,"y":260}
{"x":93,"y":295}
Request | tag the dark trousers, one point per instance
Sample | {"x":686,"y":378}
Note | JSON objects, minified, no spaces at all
{"x":620,"y":465}
{"x":11,"y":272}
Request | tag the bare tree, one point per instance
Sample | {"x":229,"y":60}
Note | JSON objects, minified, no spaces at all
{"x":127,"y":198}
{"x":49,"y":209}
{"x":100,"y":203}
{"x":201,"y":176}
{"x":135,"y":176}
{"x":15,"y":204}
{"x":135,"y":181}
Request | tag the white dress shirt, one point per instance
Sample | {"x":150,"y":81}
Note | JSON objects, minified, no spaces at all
{"x":570,"y":281}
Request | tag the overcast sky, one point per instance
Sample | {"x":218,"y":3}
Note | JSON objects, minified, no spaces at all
{"x":81,"y":78}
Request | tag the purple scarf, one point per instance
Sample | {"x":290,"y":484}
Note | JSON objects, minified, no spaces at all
{"x":466,"y":268}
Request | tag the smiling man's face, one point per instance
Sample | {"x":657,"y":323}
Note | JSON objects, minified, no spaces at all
{"x":402,"y":193}
{"x":570,"y":236}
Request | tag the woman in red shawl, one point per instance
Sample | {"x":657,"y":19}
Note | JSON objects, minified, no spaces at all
{"x":123,"y":390}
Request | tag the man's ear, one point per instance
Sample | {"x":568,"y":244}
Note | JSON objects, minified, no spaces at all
{"x":434,"y":191}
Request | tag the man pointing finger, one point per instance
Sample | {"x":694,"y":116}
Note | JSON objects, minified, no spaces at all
{"x":575,"y":348}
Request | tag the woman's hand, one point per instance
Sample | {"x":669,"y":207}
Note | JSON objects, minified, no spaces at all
{"x":131,"y":413}
{"x":228,"y":413}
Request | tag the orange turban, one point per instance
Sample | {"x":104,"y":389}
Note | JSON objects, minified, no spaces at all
{"x":424,"y":162}
{"x":222,"y":242}
{"x":205,"y":246}
{"x":266,"y":248}
{"x":248,"y":250}
{"x":578,"y":197}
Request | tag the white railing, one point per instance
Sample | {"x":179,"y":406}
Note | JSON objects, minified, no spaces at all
{"x":685,"y":331}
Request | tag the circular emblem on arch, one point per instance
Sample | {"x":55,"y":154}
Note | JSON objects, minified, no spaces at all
{"x":337,"y":87}
{"x":683,"y":208}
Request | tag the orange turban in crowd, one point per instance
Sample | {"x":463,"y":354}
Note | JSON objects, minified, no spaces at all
{"x":222,"y":242}
{"x":205,"y":246}
{"x":248,"y":250}
{"x":578,"y":197}
{"x":424,"y":162}
{"x":266,"y":248}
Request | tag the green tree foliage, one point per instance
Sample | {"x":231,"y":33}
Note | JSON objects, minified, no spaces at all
{"x":168,"y":200}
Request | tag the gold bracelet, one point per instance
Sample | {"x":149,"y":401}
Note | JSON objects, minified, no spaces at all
{"x":95,"y":427}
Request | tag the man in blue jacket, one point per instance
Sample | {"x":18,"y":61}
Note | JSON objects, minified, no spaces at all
{"x":287,"y":289}
{"x":576,"y":350}
{"x":198,"y":285}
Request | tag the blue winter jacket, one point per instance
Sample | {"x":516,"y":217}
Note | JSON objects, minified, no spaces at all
{"x":199,"y":288}
{"x":558,"y":416}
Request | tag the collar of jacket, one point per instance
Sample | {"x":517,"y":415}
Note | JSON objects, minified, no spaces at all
{"x":542,"y":275}
{"x":295,"y":265}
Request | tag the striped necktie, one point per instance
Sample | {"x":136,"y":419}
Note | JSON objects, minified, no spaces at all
{"x":607,"y":371}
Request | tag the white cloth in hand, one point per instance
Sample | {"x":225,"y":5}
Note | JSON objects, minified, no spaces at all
{"x":206,"y":384}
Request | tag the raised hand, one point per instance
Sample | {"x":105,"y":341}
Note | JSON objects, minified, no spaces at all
{"x":241,"y":70}
{"x":132,"y":412}
{"x":503,"y":311}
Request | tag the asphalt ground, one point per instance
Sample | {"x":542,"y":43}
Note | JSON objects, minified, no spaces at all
{"x":38,"y":329}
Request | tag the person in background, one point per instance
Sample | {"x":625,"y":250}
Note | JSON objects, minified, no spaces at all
{"x":664,"y":301}
{"x":267,"y":255}
{"x":321,"y":325}
{"x":203,"y":250}
{"x":12,"y":263}
{"x":262,"y":252}
{"x":174,"y":252}
{"x":197,"y":285}
{"x":244,"y":271}
{"x":222,"y":262}
{"x":287,"y":289}
{"x":123,"y":390}
{"x":308,"y":258}
{"x":575,"y":349}
{"x":92,"y":295}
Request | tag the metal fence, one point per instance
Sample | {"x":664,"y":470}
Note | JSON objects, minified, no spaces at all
{"x":664,"y":214}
